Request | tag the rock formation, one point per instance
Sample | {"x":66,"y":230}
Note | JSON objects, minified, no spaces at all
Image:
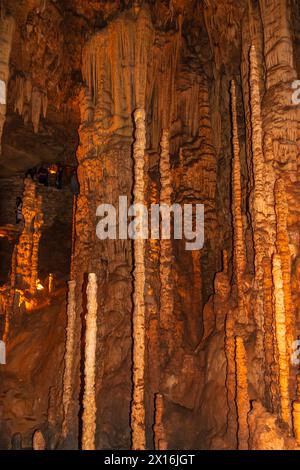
{"x":130,"y":105}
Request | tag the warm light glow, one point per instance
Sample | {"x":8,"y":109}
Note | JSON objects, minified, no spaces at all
{"x":39,"y":286}
{"x":52,"y":169}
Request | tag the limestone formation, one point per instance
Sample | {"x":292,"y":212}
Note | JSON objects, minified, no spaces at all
{"x":38,"y":441}
{"x":283,"y":249}
{"x":69,"y":358}
{"x":242,"y":395}
{"x":149,"y":102}
{"x":160,"y":442}
{"x":138,"y":403}
{"x":37,"y":225}
{"x":7,"y":28}
{"x":272,"y":378}
{"x":166,"y":293}
{"x":89,"y":397}
{"x":231,"y":378}
{"x":239,"y":243}
{"x":280,"y":321}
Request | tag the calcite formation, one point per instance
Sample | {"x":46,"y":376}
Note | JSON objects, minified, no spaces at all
{"x":242,"y":395}
{"x":150,"y":103}
{"x":281,"y":338}
{"x":68,"y":370}
{"x":138,"y":319}
{"x":89,"y":397}
{"x":160,"y":442}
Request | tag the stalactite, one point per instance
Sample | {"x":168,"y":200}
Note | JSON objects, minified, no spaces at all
{"x":166,"y":255}
{"x":242,"y":397}
{"x":7,"y":28}
{"x":152,"y":360}
{"x":160,"y":441}
{"x":280,"y":322}
{"x":230,"y":379}
{"x":138,"y":405}
{"x":30,"y":98}
{"x":69,"y":357}
{"x":262,"y":237}
{"x":36,"y":109}
{"x":239,"y":242}
{"x":89,"y":397}
{"x":37,"y":225}
{"x":271,"y":378}
{"x":282,"y":245}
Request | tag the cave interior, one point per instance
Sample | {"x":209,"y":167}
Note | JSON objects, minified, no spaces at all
{"x":149,"y":342}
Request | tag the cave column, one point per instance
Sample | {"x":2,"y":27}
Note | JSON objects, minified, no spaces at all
{"x":89,"y":397}
{"x":38,"y":223}
{"x":239,"y":242}
{"x":166,"y":250}
{"x":25,"y":243}
{"x":69,"y":359}
{"x":138,"y":403}
{"x":280,"y":321}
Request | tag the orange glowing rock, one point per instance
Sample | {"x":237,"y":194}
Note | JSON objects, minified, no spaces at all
{"x":280,"y":322}
{"x":272,"y":373}
{"x":69,"y":358}
{"x":138,"y":402}
{"x":282,"y":244}
{"x":242,"y":397}
{"x":231,"y":378}
{"x":89,"y":397}
{"x":160,"y":442}
{"x":239,"y":242}
{"x":166,"y":252}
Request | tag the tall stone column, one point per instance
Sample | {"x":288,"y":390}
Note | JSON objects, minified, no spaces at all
{"x":68,"y":380}
{"x":89,"y":397}
{"x":37,"y":226}
{"x":238,"y":233}
{"x":138,"y":403}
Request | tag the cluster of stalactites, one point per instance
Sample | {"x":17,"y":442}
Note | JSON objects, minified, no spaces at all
{"x":129,"y":66}
{"x":30,"y":102}
{"x":7,"y":27}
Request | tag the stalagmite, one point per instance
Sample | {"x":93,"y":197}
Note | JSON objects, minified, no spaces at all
{"x":242,"y":397}
{"x":37,"y":225}
{"x":38,"y":441}
{"x":259,"y":211}
{"x":296,"y":420}
{"x":282,"y":244}
{"x":166,"y":256}
{"x":225,"y":261}
{"x":73,"y":236}
{"x":25,"y":243}
{"x":280,"y":322}
{"x":239,"y":242}
{"x":269,"y":337}
{"x":89,"y":397}
{"x":160,"y":442}
{"x":68,"y":370}
{"x":230,"y":378}
{"x":262,"y":237}
{"x":138,"y":405}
